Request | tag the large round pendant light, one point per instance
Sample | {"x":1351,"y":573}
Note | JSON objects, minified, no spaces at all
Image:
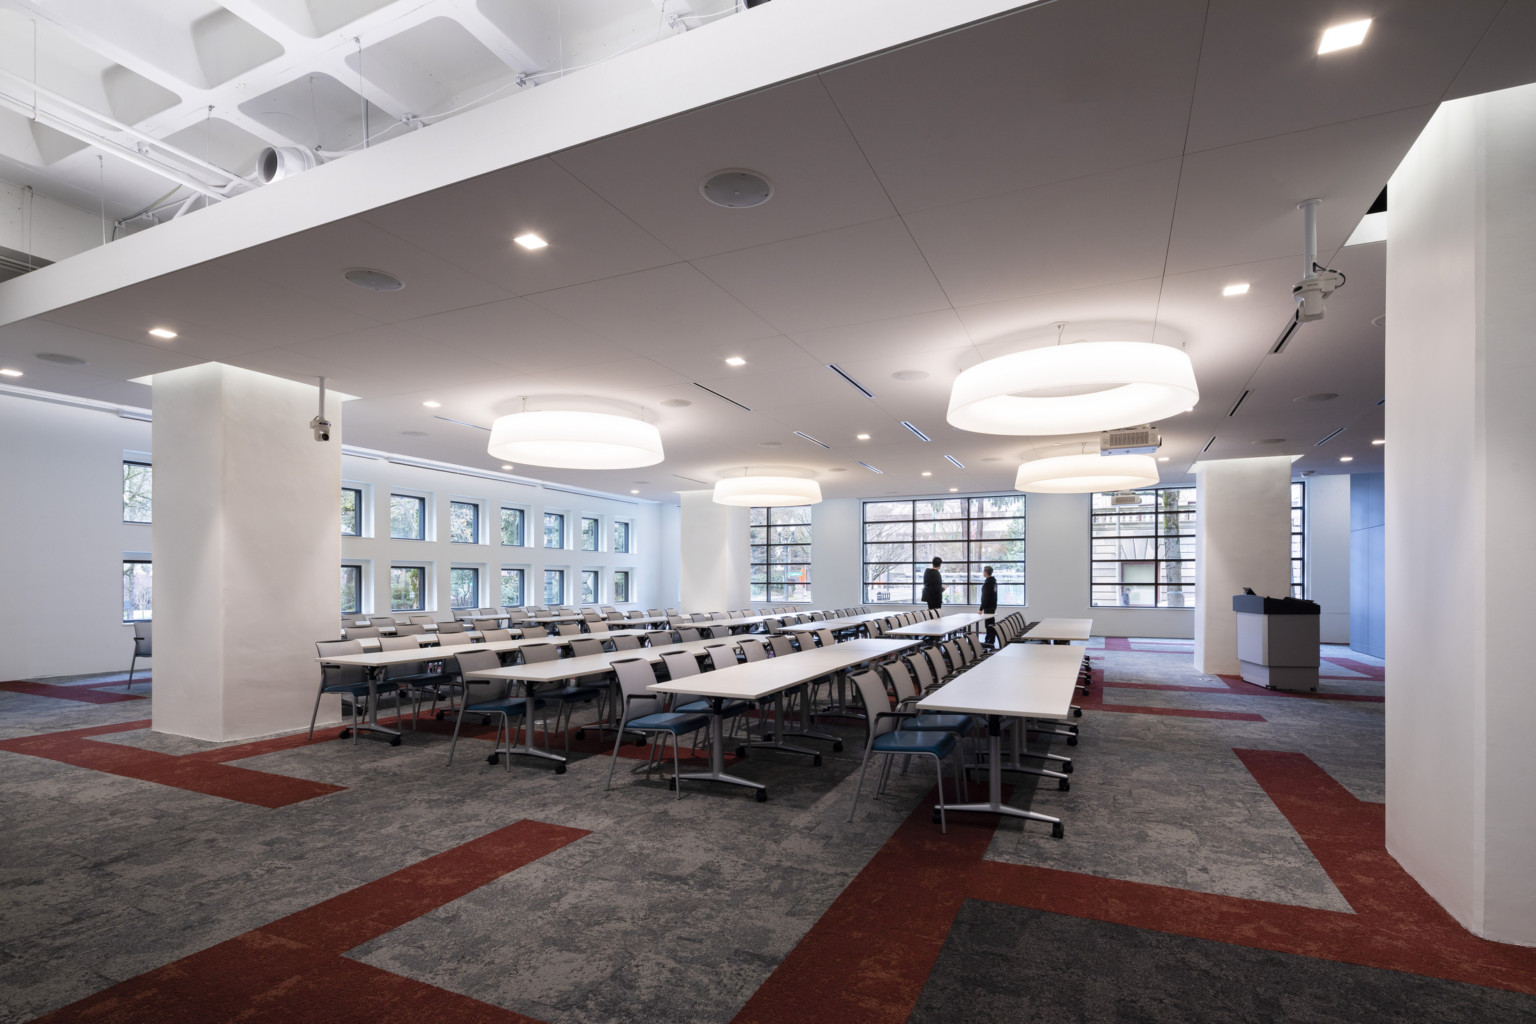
{"x":753,"y":491}
{"x":1084,"y":474}
{"x":567,"y":439}
{"x":1073,"y":389}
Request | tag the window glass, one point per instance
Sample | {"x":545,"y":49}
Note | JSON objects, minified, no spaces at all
{"x":621,"y":537}
{"x":463,"y":522}
{"x":512,"y":527}
{"x":621,"y":586}
{"x":463,"y":588}
{"x":1298,"y":539}
{"x":554,"y":530}
{"x":589,"y":586}
{"x":554,"y":587}
{"x":351,"y":512}
{"x":512,"y":588}
{"x":780,"y":553}
{"x":138,"y":492}
{"x":407,"y":584}
{"x":1143,"y":553}
{"x":351,"y":588}
{"x":407,"y":517}
{"x":901,"y":539}
{"x":138,"y":589}
{"x":589,"y":533}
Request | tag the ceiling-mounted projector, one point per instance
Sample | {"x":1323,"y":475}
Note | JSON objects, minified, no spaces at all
{"x":1141,"y":440}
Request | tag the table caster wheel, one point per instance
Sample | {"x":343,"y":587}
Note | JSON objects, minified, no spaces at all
{"x":394,"y":741}
{"x":441,"y":715}
{"x":346,"y":734}
{"x":640,"y":742}
{"x":1067,"y":767}
{"x":672,"y":784}
{"x":741,"y":752}
{"x":1076,"y":713}
{"x":493,"y":759}
{"x":559,"y":769}
{"x":816,"y":760}
{"x":762,"y":796}
{"x":837,"y":747}
{"x":1057,"y":831}
{"x":1071,"y":741}
{"x":1063,"y":784}
{"x":934,"y":817}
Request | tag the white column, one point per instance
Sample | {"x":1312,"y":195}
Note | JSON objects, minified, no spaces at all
{"x":1460,"y":483}
{"x":714,"y":571}
{"x":247,"y":543}
{"x":1242,"y":539}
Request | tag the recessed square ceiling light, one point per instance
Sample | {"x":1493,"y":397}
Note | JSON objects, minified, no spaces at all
{"x":926,"y":473}
{"x":10,"y":373}
{"x":530,"y":241}
{"x":953,"y":490}
{"x":1240,"y":288}
{"x":634,"y":492}
{"x":506,"y":466}
{"x":1342,"y":37}
{"x":433,"y":405}
{"x":735,"y":361}
{"x":1379,"y":440}
{"x":862,"y":437}
{"x":162,"y":332}
{"x":1162,"y":458}
{"x":1346,"y":458}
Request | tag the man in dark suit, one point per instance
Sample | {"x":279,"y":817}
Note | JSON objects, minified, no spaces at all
{"x":933,"y":585}
{"x":989,"y":602}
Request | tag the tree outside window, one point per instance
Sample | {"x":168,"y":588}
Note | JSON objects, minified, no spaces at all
{"x":512,"y":588}
{"x":138,"y":492}
{"x":138,"y":589}
{"x":781,"y":553}
{"x":554,"y":530}
{"x":621,"y":537}
{"x":351,"y":589}
{"x":407,"y":517}
{"x":554,"y":587}
{"x":589,"y":533}
{"x":407,"y":584}
{"x":463,"y":588}
{"x":901,"y":539}
{"x":512,"y":527}
{"x":351,"y":512}
{"x":1143,"y":554}
{"x":463,"y":522}
{"x":621,"y":586}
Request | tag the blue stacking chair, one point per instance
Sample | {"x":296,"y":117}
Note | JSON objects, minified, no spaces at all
{"x":886,"y":737}
{"x":500,"y":702}
{"x":642,"y":711}
{"x":348,"y":681}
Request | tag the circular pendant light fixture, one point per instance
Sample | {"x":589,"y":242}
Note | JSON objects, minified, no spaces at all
{"x":1073,"y":389}
{"x":1085,"y":474}
{"x":750,"y":491}
{"x":570,"y":439}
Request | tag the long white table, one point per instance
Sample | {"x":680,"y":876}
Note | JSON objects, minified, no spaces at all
{"x":1033,"y":681}
{"x":844,"y":622}
{"x":936,"y":629}
{"x":1060,"y":631}
{"x":759,"y":680}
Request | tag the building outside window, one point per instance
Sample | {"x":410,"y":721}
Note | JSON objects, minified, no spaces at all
{"x":590,"y":528}
{"x":590,"y":584}
{"x":1298,"y":539}
{"x":554,"y":530}
{"x":512,"y":527}
{"x":781,"y":553}
{"x":138,"y":589}
{"x":463,"y":588}
{"x":621,"y":534}
{"x":901,"y":539}
{"x":351,"y":589}
{"x":621,"y":587}
{"x":512,"y":588}
{"x":407,"y":587}
{"x":351,"y":512}
{"x":554,"y":587}
{"x":463,"y":522}
{"x":1143,"y":554}
{"x":138,"y":492}
{"x":407,"y":517}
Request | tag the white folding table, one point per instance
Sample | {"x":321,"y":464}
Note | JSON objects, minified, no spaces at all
{"x":1060,"y":631}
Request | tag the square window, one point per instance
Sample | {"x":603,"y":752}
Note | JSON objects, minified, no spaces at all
{"x":138,"y":589}
{"x":351,"y":589}
{"x":901,"y":538}
{"x":463,"y":588}
{"x":554,"y":530}
{"x":407,"y":517}
{"x":780,"y":552}
{"x":1143,"y":555}
{"x":512,"y":588}
{"x":407,"y":587}
{"x":512,"y":528}
{"x":351,"y":512}
{"x":463,"y":522}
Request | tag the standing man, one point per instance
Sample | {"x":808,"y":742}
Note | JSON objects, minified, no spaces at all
{"x":933,"y":585}
{"x":989,"y":602}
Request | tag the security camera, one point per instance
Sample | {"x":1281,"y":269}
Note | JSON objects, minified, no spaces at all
{"x":321,"y":427}
{"x":1311,"y":290}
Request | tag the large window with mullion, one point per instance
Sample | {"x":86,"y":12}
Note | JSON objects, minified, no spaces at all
{"x":1143,"y":552}
{"x":901,"y":539}
{"x":512,"y":521}
{"x":407,"y":517}
{"x":781,"y":553}
{"x":1298,"y":539}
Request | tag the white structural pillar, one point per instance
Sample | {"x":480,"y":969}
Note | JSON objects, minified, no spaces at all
{"x":1460,"y":483}
{"x":1242,"y":539}
{"x":247,"y":545}
{"x":715,"y":560}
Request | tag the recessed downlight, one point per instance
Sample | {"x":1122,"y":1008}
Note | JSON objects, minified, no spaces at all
{"x":506,"y":467}
{"x":374,"y":280}
{"x":1346,"y":458}
{"x":1162,"y":458}
{"x":162,"y":332}
{"x":954,"y":490}
{"x":735,"y":361}
{"x":736,"y":189}
{"x":531,"y":241}
{"x":1240,"y":288}
{"x":432,"y":405}
{"x":927,"y":473}
{"x":1379,"y":440}
{"x":861,"y":437}
{"x":8,"y":372}
{"x":634,"y":492}
{"x":1342,"y":37}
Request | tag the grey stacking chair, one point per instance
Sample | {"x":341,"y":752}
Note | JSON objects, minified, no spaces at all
{"x":143,"y":635}
{"x":752,"y":650}
{"x":644,"y":712}
{"x":659,"y":638}
{"x":421,"y":620}
{"x":888,"y":738}
{"x":359,"y":632}
{"x":410,"y":629}
{"x":781,"y":644}
{"x":350,"y":682}
{"x":495,"y":635}
{"x":626,"y":643}
{"x":689,"y":634}
{"x":450,"y":627}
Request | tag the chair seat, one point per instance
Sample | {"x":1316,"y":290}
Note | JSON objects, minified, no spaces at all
{"x":513,"y":707}
{"x":572,"y":694}
{"x":939,"y":723}
{"x":669,"y":721}
{"x":939,"y":744}
{"x":361,"y":689}
{"x":732,"y":707}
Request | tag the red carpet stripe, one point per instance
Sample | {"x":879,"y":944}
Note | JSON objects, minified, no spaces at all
{"x":83,"y":694}
{"x":1094,"y":699}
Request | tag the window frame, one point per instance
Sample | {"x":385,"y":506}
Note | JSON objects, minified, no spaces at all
{"x":597,"y":586}
{"x":597,"y":532}
{"x":475,"y":524}
{"x":522,"y":525}
{"x":421,"y":591}
{"x":565,"y":520}
{"x":357,"y":511}
{"x":425,"y":505}
{"x":1158,"y":560}
{"x":357,"y":569}
{"x":477,"y":576}
{"x":1299,"y":532}
{"x":522,"y":586}
{"x":544,"y":590}
{"x":766,"y":590}
{"x":626,"y":579}
{"x":149,"y":465}
{"x":139,"y":559}
{"x":629,"y":536}
{"x":972,"y":528}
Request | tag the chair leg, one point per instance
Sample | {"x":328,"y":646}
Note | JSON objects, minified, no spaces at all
{"x":134,"y":663}
{"x":677,"y":769}
{"x":860,"y":785}
{"x":455,"y":744}
{"x":938,"y":767}
{"x":618,"y":739}
{"x":315,"y":714}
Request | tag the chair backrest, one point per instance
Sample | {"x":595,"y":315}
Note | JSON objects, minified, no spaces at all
{"x":689,"y":633}
{"x":492,"y":635}
{"x":143,"y":634}
{"x":825,"y":637}
{"x":902,"y":681}
{"x":680,"y":663}
{"x":535,"y":653}
{"x":753,"y":651}
{"x":358,"y":632}
{"x":922,"y":672}
{"x":487,"y":623}
{"x":605,"y":608}
{"x":421,"y":620}
{"x":973,"y":647}
{"x":659,"y":638}
{"x":636,"y":613}
{"x":615,"y":616}
{"x":450,"y":627}
{"x":398,"y":643}
{"x":626,"y":643}
{"x":817,"y":617}
{"x":586,"y":645}
{"x":590,"y":614}
{"x":410,"y":629}
{"x":475,"y":660}
{"x":452,"y":639}
{"x":600,"y":626}
{"x":673,"y":613}
{"x":340,"y":675}
{"x":720,"y":655}
{"x":634,"y":675}
{"x":567,"y":629}
{"x":961,"y":651}
{"x":877,"y":629}
{"x":381,"y":620}
{"x":781,"y":645}
{"x":872,"y":693}
{"x":655,"y":613}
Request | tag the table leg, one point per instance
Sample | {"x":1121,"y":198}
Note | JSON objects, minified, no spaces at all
{"x":526,"y":748}
{"x":775,"y":739}
{"x":716,"y":771}
{"x":372,"y":724}
{"x":994,"y":802}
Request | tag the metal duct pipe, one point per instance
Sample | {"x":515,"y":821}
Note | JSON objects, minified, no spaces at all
{"x":278,"y":162}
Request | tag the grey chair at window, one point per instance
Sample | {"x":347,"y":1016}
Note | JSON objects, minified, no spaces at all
{"x":450,"y":627}
{"x":887,"y":738}
{"x":410,"y":629}
{"x":606,"y":608}
{"x":659,"y":638}
{"x":781,"y":645}
{"x":615,"y":616}
{"x":350,"y":682}
{"x":487,"y":623}
{"x":636,"y":614}
{"x":362,"y":632}
{"x":626,"y":643}
{"x":381,"y":621}
{"x":644,"y":712}
{"x":143,"y":636}
{"x":656,"y":614}
{"x":421,"y":619}
{"x":673,"y":613}
{"x":590,"y":614}
{"x":491,"y":698}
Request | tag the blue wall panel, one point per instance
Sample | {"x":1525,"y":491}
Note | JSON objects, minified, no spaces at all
{"x":1367,"y":568}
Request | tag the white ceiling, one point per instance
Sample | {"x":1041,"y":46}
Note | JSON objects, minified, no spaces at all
{"x":1099,"y":162}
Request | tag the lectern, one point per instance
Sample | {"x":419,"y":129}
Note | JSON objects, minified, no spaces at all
{"x":1277,"y":641}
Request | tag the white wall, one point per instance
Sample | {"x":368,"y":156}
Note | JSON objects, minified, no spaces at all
{"x":62,"y":538}
{"x":377,"y":551}
{"x":44,"y":227}
{"x":837,"y":560}
{"x":1242,"y":539}
{"x":1327,"y":553}
{"x":714,"y":556}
